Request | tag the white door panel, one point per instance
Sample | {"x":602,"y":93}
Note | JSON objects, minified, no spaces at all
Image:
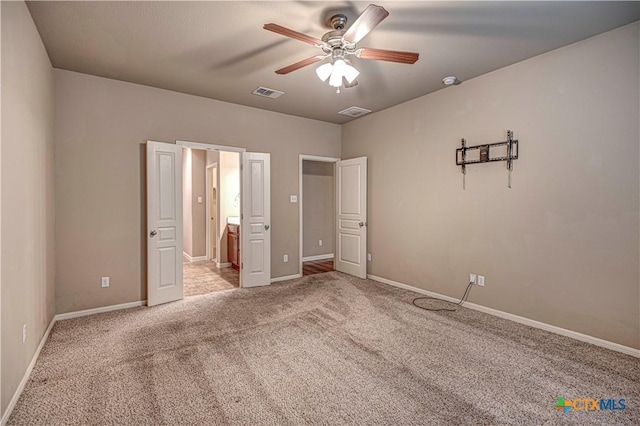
{"x":255,"y":232}
{"x":164,"y":223}
{"x":351,"y":238}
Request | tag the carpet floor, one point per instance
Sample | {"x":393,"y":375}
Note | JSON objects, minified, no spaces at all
{"x":324,"y":349}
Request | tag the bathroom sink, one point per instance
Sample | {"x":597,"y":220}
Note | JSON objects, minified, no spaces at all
{"x":233,"y":220}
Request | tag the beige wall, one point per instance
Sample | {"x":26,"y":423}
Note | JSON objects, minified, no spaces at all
{"x":318,"y":209}
{"x":198,"y":209}
{"x":561,"y":246}
{"x":27,"y":194}
{"x":101,"y":129}
{"x":193,"y":212}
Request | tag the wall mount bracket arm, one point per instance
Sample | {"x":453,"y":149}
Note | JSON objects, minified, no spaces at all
{"x":486,"y":153}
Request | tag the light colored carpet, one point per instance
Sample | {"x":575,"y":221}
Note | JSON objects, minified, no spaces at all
{"x":202,"y":277}
{"x":324,"y":349}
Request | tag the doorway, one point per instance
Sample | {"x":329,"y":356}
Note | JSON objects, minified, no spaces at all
{"x":166,"y":229}
{"x":213,"y":177}
{"x":317,"y":214}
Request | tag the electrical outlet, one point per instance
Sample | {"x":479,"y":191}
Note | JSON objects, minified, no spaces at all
{"x":369,"y":257}
{"x":285,"y":258}
{"x":24,"y":333}
{"x":481,"y":280}
{"x":472,"y":278}
{"x":105,"y":281}
{"x":320,"y":243}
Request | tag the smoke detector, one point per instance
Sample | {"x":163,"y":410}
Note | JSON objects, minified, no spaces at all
{"x":452,"y":79}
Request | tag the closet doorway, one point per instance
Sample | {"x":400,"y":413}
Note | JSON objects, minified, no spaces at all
{"x":317,"y":214}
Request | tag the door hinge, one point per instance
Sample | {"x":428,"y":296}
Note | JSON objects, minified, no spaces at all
{"x":241,"y":216}
{"x":242,"y":265}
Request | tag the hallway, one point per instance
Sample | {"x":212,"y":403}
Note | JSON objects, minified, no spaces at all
{"x":203,"y":277}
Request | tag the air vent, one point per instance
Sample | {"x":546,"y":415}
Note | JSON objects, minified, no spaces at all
{"x":267,"y":93}
{"x":354,"y":111}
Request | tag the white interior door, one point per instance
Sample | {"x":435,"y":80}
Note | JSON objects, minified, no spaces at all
{"x":164,"y":222}
{"x":255,"y":222}
{"x":351,"y":217}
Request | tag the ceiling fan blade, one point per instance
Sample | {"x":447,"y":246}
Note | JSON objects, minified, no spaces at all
{"x":387,"y":55}
{"x":301,"y":64}
{"x":367,"y":21}
{"x":293,"y":34}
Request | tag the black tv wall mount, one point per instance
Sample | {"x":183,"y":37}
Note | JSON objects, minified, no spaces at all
{"x":497,"y":151}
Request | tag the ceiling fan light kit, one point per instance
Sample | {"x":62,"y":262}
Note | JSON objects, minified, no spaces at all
{"x":339,"y":43}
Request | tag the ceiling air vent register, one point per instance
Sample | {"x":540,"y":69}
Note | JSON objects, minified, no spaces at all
{"x":354,"y":111}
{"x":265,"y":92}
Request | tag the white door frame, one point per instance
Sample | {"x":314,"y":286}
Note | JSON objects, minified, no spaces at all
{"x":305,"y":157}
{"x":212,"y":147}
{"x":209,"y":147}
{"x":209,"y":184}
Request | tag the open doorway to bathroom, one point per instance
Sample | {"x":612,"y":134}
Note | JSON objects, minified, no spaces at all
{"x":211,"y":210}
{"x":317,"y":214}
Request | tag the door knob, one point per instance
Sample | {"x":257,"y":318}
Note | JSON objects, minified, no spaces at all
{"x":153,"y":233}
{"x":361,"y":224}
{"x":266,"y":227}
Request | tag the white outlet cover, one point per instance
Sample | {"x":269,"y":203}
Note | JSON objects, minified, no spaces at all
{"x":285,"y":258}
{"x":294,"y":198}
{"x":481,"y":280}
{"x":472,"y":278}
{"x":320,"y":243}
{"x":369,"y":257}
{"x":105,"y":282}
{"x":24,"y":333}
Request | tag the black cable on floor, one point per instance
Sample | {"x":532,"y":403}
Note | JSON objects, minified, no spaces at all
{"x":464,"y":299}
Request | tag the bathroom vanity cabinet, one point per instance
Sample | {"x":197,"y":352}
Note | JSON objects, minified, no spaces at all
{"x":233,"y":246}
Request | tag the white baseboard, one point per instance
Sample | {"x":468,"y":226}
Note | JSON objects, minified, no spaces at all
{"x":193,"y":259}
{"x":522,"y":320}
{"x":285,"y":278}
{"x":93,"y":311}
{"x":318,"y":257}
{"x":27,"y":374}
{"x":223,"y":265}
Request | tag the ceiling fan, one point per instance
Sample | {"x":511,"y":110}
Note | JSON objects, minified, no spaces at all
{"x":340,"y":43}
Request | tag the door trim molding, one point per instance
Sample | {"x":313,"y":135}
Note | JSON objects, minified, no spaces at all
{"x":209,"y":147}
{"x":306,"y":157}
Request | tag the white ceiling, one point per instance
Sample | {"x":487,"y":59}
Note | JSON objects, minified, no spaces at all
{"x":219,"y":50}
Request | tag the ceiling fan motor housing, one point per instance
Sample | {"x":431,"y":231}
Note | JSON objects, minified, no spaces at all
{"x":338,"y":22}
